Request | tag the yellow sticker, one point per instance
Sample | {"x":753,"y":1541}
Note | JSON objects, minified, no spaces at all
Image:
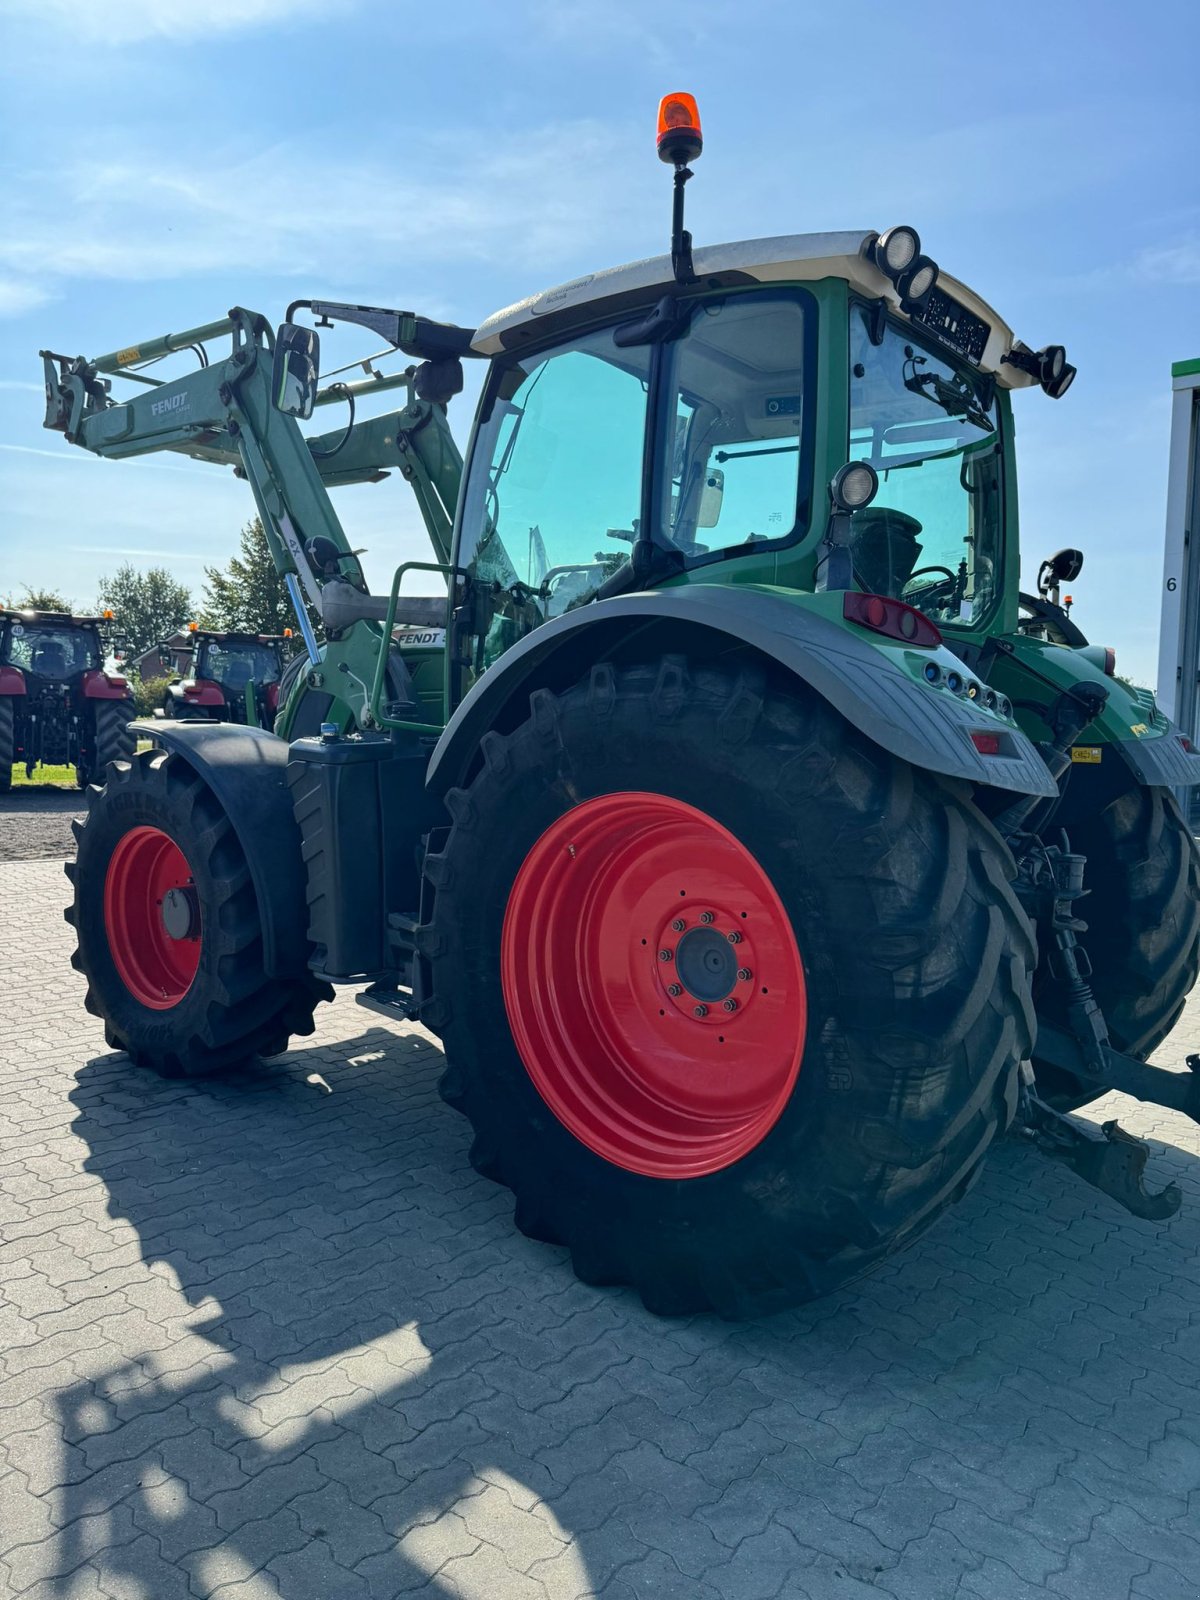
{"x":1088,"y":753}
{"x":126,"y":358}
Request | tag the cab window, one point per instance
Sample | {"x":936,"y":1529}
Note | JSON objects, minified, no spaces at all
{"x":736,"y":425}
{"x":929,"y":426}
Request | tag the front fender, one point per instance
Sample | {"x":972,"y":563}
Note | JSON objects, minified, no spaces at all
{"x":246,"y":769}
{"x":862,"y":676}
{"x":1033,"y":672}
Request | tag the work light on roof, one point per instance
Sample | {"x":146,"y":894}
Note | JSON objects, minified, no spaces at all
{"x":895,"y":251}
{"x":917,"y":283}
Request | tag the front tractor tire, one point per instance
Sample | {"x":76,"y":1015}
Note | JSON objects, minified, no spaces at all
{"x":733,"y":999}
{"x":168,"y":927}
{"x":1142,"y":912}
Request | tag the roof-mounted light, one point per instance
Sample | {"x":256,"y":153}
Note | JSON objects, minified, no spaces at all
{"x":895,"y":251}
{"x":679,"y":137}
{"x":917,"y":283}
{"x":1049,"y":366}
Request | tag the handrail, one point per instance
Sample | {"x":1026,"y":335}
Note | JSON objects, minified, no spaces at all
{"x":381,"y":662}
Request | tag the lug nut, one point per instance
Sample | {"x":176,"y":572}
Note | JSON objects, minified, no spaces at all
{"x":734,"y":937}
{"x":745,"y":974}
{"x":664,"y":955}
{"x":729,"y":1005}
{"x":700,"y":1011}
{"x":674,"y":990}
{"x":707,"y":916}
{"x":679,"y":925}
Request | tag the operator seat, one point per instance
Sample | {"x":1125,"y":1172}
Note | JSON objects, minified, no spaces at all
{"x":884,"y":548}
{"x":49,"y":660}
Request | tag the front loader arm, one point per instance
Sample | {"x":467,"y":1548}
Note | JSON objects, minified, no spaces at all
{"x":222,"y":410}
{"x":206,"y":416}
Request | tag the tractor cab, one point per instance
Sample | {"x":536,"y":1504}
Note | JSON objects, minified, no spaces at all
{"x":225,"y":676}
{"x":49,"y":648}
{"x":636,"y":432}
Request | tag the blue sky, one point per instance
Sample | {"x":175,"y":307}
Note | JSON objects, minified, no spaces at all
{"x":164,"y":160}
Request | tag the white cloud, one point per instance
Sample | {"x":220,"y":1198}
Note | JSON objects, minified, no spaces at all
{"x":17,"y":297}
{"x":136,"y":20}
{"x":514,"y":200}
{"x":1177,"y":264}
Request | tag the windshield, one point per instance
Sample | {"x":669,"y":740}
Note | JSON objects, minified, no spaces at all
{"x":932,"y":535}
{"x":235,"y":664}
{"x":46,"y":651}
{"x":552,"y":502}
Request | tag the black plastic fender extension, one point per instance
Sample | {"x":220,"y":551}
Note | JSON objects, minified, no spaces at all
{"x":930,"y":728}
{"x":246,"y":769}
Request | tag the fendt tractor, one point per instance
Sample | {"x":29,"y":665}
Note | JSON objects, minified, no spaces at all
{"x":225,"y":677}
{"x":728,"y":819}
{"x":62,"y":700}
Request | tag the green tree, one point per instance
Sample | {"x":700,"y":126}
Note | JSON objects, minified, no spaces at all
{"x":249,"y":595}
{"x":41,"y":600}
{"x":147,"y":606}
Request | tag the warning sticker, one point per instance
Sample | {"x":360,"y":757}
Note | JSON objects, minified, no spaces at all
{"x":1089,"y":754}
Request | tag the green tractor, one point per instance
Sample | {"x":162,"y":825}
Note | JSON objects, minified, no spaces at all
{"x":727,"y":819}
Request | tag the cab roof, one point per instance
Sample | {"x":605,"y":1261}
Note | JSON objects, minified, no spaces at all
{"x":788,"y":258}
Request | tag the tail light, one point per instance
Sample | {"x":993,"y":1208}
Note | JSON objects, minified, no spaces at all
{"x":882,"y":614}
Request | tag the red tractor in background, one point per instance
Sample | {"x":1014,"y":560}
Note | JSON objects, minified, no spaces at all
{"x":59,"y":705}
{"x":223,"y":677}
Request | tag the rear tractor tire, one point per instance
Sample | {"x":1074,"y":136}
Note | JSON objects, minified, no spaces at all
{"x":8,"y":743}
{"x":733,"y":1000}
{"x":113,"y":740}
{"x":168,"y":927}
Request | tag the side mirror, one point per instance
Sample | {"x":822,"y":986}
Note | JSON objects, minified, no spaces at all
{"x":711,"y":497}
{"x":296,"y":370}
{"x":1064,"y":566}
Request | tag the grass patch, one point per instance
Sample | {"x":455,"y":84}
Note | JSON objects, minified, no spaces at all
{"x":55,"y":777}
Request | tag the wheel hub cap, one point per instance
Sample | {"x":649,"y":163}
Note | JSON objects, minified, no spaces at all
{"x":152,"y":918}
{"x":653,"y":985}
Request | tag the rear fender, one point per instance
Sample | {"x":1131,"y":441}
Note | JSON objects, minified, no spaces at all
{"x":97,"y":685}
{"x":12,"y":680}
{"x":246,"y":769}
{"x":861,"y":676}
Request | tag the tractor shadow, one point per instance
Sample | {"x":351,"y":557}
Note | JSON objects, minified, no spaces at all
{"x":351,"y":1367}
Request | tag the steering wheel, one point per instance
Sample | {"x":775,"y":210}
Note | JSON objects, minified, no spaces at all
{"x":921,"y":571}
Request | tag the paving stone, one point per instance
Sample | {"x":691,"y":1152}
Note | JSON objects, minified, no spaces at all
{"x":263,"y":1342}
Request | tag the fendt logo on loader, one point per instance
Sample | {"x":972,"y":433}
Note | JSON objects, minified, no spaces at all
{"x":175,"y":402}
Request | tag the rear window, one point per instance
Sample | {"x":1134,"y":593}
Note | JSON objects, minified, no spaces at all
{"x":46,"y":651}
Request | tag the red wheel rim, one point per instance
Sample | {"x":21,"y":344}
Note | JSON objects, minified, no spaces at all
{"x":633,"y":922}
{"x":147,"y":870}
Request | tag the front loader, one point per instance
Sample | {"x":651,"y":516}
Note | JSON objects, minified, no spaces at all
{"x":729,"y":820}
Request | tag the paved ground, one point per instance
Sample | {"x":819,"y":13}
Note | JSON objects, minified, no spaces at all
{"x":35,"y":823}
{"x":274,"y":1337}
